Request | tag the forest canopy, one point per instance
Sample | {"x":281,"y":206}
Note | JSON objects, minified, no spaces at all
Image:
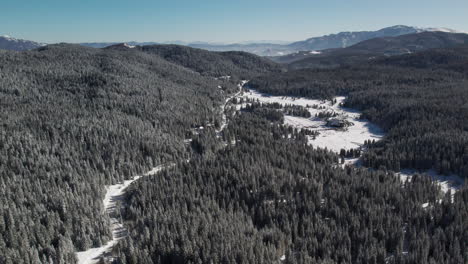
{"x":75,"y":119}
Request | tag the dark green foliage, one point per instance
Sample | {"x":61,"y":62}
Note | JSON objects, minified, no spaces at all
{"x":74,"y":119}
{"x":238,"y":65}
{"x":377,"y":49}
{"x":269,"y":195}
{"x":420,"y":100}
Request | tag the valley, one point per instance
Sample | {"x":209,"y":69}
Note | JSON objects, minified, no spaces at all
{"x":347,"y":137}
{"x":167,"y":154}
{"x":338,"y":138}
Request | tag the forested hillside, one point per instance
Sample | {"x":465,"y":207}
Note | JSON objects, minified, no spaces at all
{"x":268,"y":197}
{"x":376,"y":48}
{"x":74,"y":119}
{"x":420,"y":99}
{"x":240,"y":65}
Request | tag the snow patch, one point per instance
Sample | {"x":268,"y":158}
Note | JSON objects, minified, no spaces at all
{"x":114,"y":194}
{"x":446,"y":182}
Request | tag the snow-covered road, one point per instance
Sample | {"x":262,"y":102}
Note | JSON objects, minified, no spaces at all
{"x":223,"y":108}
{"x":114,"y":194}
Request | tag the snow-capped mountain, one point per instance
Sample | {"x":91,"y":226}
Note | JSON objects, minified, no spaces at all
{"x":339,"y":40}
{"x":10,"y":43}
{"x":443,"y":29}
{"x":262,"y":48}
{"x":346,"y":39}
{"x":276,"y":48}
{"x":375,"y":48}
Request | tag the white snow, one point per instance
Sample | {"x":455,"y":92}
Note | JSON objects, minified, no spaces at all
{"x":353,"y":137}
{"x":444,"y":29}
{"x":446,"y":182}
{"x":315,"y":52}
{"x":330,"y":138}
{"x":114,"y":193}
{"x":223,"y":108}
{"x":129,"y":46}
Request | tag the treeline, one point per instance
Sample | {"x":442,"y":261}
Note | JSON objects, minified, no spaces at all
{"x":422,"y":106}
{"x":287,"y":109}
{"x":269,"y":197}
{"x":75,"y":119}
{"x":236,"y":64}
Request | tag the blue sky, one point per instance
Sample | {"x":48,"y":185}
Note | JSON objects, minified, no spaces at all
{"x":216,"y":20}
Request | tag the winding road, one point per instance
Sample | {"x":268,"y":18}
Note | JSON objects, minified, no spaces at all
{"x":115,"y":193}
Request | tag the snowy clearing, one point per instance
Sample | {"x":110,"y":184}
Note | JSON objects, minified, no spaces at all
{"x":330,"y":138}
{"x":351,"y":137}
{"x":446,"y":182}
{"x":114,"y":194}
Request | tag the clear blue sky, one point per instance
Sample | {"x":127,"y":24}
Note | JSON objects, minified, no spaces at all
{"x":216,"y":20}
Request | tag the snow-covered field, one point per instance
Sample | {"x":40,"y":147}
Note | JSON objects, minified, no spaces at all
{"x":114,"y":194}
{"x":330,"y":138}
{"x":336,"y":139}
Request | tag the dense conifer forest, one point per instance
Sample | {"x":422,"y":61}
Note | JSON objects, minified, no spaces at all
{"x":419,"y":99}
{"x":268,"y":197}
{"x":75,"y":119}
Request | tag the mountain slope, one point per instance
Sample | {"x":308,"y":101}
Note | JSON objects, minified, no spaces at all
{"x":455,"y":59}
{"x":420,"y":99}
{"x":370,"y":49}
{"x":339,"y":40}
{"x":9,"y":43}
{"x":241,"y":64}
{"x":75,"y":119}
{"x":243,"y":205}
{"x":100,"y":45}
{"x":346,"y":39}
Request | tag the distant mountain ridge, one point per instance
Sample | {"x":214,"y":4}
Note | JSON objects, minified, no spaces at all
{"x":9,"y":43}
{"x":339,"y":40}
{"x":272,"y":49}
{"x":374,"y":48}
{"x":346,"y":39}
{"x":261,"y":48}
